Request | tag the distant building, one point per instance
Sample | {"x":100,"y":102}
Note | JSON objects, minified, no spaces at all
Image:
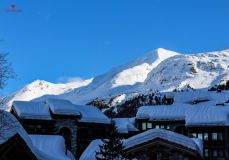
{"x":76,"y":123}
{"x":154,"y":144}
{"x":208,"y":123}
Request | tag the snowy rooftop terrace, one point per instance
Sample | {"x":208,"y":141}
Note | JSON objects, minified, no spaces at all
{"x":203,"y":114}
{"x":41,"y":110}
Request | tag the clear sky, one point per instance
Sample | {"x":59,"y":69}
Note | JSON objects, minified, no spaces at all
{"x":52,"y":39}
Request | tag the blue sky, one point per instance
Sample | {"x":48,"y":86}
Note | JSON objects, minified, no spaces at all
{"x":82,"y":38}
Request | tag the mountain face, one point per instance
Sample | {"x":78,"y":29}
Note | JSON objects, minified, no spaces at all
{"x":160,"y":70}
{"x":40,"y":88}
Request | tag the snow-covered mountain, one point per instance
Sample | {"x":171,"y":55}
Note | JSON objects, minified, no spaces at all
{"x":40,"y":88}
{"x":160,"y":69}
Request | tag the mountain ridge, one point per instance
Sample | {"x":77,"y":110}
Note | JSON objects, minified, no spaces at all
{"x":160,"y":69}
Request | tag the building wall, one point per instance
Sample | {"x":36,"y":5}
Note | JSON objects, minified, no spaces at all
{"x":68,"y":129}
{"x":213,"y":149}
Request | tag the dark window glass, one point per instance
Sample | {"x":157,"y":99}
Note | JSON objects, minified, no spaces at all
{"x":206,"y":136}
{"x":220,"y":136}
{"x":206,"y":152}
{"x":215,"y":153}
{"x":214,"y":136}
{"x":220,"y":153}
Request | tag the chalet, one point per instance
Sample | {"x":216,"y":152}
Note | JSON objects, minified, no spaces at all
{"x":205,"y":121}
{"x":15,"y":143}
{"x":160,"y":144}
{"x":15,"y":147}
{"x":154,"y":144}
{"x":76,"y":123}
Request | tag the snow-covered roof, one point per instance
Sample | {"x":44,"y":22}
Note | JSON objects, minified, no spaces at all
{"x":62,"y":107}
{"x":125,"y":125}
{"x":165,"y":112}
{"x":207,"y":116}
{"x":51,"y":146}
{"x":203,"y":114}
{"x":41,"y":110}
{"x":10,"y":126}
{"x":90,"y":152}
{"x":32,"y":110}
{"x":152,"y":134}
{"x":92,"y":114}
{"x":88,"y":113}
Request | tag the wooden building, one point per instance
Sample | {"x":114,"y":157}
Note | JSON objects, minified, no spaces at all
{"x":78,"y":124}
{"x":14,"y":141}
{"x":15,"y":147}
{"x":209,"y":123}
{"x":161,"y":144}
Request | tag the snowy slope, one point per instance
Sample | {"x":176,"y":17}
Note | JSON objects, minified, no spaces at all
{"x":196,"y":71}
{"x":160,"y":69}
{"x":40,"y":88}
{"x":122,"y":79}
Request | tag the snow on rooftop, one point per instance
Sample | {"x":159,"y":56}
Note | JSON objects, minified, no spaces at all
{"x":32,"y":110}
{"x":40,"y":110}
{"x":90,"y":152}
{"x":164,"y":112}
{"x":207,"y":116}
{"x":92,"y":114}
{"x":10,"y":126}
{"x":62,"y":107}
{"x":162,"y":134}
{"x":203,"y":114}
{"x":125,"y":125}
{"x":51,"y":146}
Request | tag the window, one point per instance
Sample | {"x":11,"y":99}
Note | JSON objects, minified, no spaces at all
{"x":220,"y":136}
{"x":149,"y":125}
{"x":194,"y":135}
{"x":214,"y":136}
{"x":220,"y":153}
{"x":200,"y":136}
{"x":167,"y":127}
{"x":206,"y":136}
{"x":217,"y":136}
{"x":143,"y":125}
{"x":157,"y":126}
{"x":215,"y":154}
{"x":206,"y":153}
{"x":162,"y":126}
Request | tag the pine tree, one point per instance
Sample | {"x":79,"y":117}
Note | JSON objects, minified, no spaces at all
{"x":112,"y":148}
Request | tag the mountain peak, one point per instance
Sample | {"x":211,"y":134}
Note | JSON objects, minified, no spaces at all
{"x":164,"y":53}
